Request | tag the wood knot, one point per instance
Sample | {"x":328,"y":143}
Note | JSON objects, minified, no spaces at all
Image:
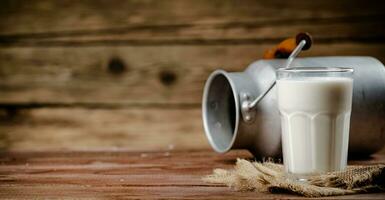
{"x":116,"y":66}
{"x":167,"y":77}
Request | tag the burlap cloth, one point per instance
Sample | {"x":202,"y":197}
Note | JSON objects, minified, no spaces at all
{"x":268,"y":176}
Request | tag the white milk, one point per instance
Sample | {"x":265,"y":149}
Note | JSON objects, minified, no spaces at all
{"x":315,"y":114}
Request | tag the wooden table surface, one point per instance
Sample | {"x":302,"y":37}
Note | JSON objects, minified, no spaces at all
{"x":127,"y":175}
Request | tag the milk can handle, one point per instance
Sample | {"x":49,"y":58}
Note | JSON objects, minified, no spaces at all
{"x":248,"y":105}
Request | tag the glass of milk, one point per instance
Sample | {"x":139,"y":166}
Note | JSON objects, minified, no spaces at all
{"x":315,"y":105}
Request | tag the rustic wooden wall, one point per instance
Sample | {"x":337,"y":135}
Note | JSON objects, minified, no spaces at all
{"x":129,"y":74}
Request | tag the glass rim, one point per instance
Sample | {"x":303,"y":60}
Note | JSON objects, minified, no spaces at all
{"x":316,"y":69}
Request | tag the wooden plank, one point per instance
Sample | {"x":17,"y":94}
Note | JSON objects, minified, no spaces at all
{"x":53,"y":16}
{"x":157,"y":192}
{"x":131,"y":75}
{"x":121,"y":161}
{"x":364,"y":30}
{"x":78,"y":128}
{"x":127,"y":174}
{"x":246,"y":28}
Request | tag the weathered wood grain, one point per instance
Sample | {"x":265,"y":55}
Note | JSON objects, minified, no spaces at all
{"x":48,"y":15}
{"x":128,"y":175}
{"x":67,"y":67}
{"x":131,"y":75}
{"x":356,"y":30}
{"x":121,"y":52}
{"x":42,"y":23}
{"x":79,"y":128}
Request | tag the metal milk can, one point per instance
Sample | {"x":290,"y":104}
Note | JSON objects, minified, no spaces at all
{"x":228,"y":125}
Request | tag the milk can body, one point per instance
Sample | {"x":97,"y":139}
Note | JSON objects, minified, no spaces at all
{"x":226,"y":128}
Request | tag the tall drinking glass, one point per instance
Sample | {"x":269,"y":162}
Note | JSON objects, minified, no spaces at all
{"x":315,"y":106}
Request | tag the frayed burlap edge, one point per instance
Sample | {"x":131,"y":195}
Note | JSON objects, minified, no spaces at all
{"x":268,"y":176}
